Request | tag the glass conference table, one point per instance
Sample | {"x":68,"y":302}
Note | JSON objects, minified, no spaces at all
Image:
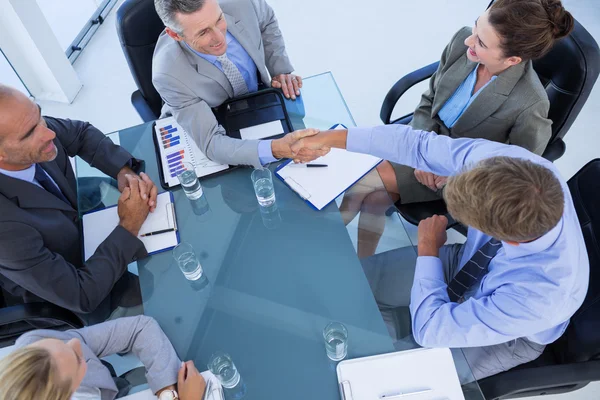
{"x":273,"y":279}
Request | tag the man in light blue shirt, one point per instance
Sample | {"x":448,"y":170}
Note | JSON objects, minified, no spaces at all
{"x":523,"y":271}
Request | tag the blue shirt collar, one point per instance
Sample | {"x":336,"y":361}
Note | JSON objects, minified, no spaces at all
{"x":26,"y":175}
{"x":537,"y":246}
{"x":209,"y":57}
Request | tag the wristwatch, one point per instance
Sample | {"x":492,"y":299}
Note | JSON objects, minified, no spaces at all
{"x":168,"y":394}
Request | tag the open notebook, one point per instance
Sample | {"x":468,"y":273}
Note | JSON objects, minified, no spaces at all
{"x":98,"y":225}
{"x":320,"y":186}
{"x":419,"y":374}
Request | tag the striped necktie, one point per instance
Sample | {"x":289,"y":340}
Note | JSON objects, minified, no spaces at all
{"x":473,"y":270}
{"x":234,"y":75}
{"x":44,"y":180}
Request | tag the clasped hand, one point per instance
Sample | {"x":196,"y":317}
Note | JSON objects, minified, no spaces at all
{"x":298,"y":146}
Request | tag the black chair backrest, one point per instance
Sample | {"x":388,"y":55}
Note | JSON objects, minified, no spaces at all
{"x":568,"y":72}
{"x":138,"y":27}
{"x":581,"y":341}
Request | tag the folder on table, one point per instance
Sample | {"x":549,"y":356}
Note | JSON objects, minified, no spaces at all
{"x":419,"y":374}
{"x":98,"y":225}
{"x":320,"y":186}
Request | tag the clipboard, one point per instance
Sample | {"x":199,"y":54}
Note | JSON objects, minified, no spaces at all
{"x":339,"y":162}
{"x":98,"y":225}
{"x":418,"y":374}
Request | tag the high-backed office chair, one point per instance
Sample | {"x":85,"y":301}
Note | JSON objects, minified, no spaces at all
{"x":14,"y":316}
{"x":568,"y":72}
{"x":138,"y":27}
{"x":572,"y":361}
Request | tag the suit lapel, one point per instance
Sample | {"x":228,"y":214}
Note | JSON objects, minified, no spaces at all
{"x":490,"y":99}
{"x":237,"y":30}
{"x":450,"y":81}
{"x":29,"y":195}
{"x":59,"y":177}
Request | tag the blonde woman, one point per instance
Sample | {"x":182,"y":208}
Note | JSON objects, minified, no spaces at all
{"x":53,"y":365}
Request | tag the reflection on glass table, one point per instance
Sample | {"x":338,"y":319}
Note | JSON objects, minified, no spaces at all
{"x":275,"y":276}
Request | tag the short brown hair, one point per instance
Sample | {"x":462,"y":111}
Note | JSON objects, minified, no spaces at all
{"x":529,"y":28}
{"x":30,"y":373}
{"x":510,"y":199}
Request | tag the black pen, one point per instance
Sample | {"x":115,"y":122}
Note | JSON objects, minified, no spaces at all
{"x":311,"y":165}
{"x":158,"y":232}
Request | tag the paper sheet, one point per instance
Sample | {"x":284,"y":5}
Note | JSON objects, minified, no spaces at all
{"x":403,"y":371}
{"x":176,"y":147}
{"x":320,"y":186}
{"x":216,"y":391}
{"x":262,"y":131}
{"x":98,"y":225}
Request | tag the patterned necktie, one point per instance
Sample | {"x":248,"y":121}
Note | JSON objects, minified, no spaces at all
{"x":234,"y":75}
{"x":44,"y":180}
{"x":473,"y":270}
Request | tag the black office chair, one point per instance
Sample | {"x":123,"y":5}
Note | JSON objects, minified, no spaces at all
{"x":138,"y":27}
{"x":17,"y":318}
{"x":572,"y":361}
{"x":568,"y":72}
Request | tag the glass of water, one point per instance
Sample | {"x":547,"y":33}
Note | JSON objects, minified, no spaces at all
{"x":189,"y":181}
{"x":336,"y":341}
{"x":263,"y":186}
{"x":187,"y":261}
{"x":221,"y":365}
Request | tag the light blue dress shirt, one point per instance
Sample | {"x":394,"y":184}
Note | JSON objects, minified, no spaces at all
{"x":27,"y":175}
{"x":461,"y":99}
{"x":240,"y":57}
{"x":531,"y":290}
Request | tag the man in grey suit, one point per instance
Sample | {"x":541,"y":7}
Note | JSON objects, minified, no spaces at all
{"x":210,"y":52}
{"x":40,"y":232}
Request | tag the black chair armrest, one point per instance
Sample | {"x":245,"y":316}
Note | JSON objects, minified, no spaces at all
{"x":555,"y":150}
{"x":401,"y":87}
{"x":32,"y":312}
{"x":534,"y":381}
{"x":141,"y":106}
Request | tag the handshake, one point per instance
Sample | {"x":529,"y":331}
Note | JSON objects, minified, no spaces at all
{"x":302,"y":146}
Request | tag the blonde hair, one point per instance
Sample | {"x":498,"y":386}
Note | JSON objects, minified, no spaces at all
{"x":30,"y":373}
{"x":507,"y":198}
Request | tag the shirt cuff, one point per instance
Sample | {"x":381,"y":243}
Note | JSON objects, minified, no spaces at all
{"x":429,"y":268}
{"x":358,"y":140}
{"x":265,"y":154}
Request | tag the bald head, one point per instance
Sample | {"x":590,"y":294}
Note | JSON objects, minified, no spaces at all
{"x":24,"y":136}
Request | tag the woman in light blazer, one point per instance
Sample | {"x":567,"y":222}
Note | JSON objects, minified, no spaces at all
{"x":485,"y":87}
{"x":54,"y":365}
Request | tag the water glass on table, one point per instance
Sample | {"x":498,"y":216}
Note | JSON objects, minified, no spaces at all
{"x":262,"y":179}
{"x":189,"y":181}
{"x":222,"y":366}
{"x":187,"y":261}
{"x":336,"y":341}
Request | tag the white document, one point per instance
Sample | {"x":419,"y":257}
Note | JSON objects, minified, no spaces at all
{"x":176,"y":147}
{"x":216,"y":391}
{"x":98,"y":225}
{"x":320,"y":186}
{"x":428,"y":371}
{"x":262,"y":131}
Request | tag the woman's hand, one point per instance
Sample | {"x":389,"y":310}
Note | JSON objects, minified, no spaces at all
{"x":190,"y":383}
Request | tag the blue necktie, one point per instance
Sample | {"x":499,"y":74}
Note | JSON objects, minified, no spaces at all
{"x":473,"y":270}
{"x":44,"y":180}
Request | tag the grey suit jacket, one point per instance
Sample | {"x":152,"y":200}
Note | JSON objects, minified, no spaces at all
{"x":141,"y":335}
{"x":40,"y":235}
{"x":190,"y":86}
{"x":511,"y":109}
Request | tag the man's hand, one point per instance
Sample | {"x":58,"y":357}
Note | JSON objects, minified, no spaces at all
{"x":432,"y":235}
{"x":290,"y":84}
{"x":132,"y":208}
{"x":290,"y":146}
{"x":148,"y":189}
{"x":432,"y":181}
{"x":190,"y":383}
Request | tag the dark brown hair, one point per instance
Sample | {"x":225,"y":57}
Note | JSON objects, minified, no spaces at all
{"x":510,"y":199}
{"x":529,"y":28}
